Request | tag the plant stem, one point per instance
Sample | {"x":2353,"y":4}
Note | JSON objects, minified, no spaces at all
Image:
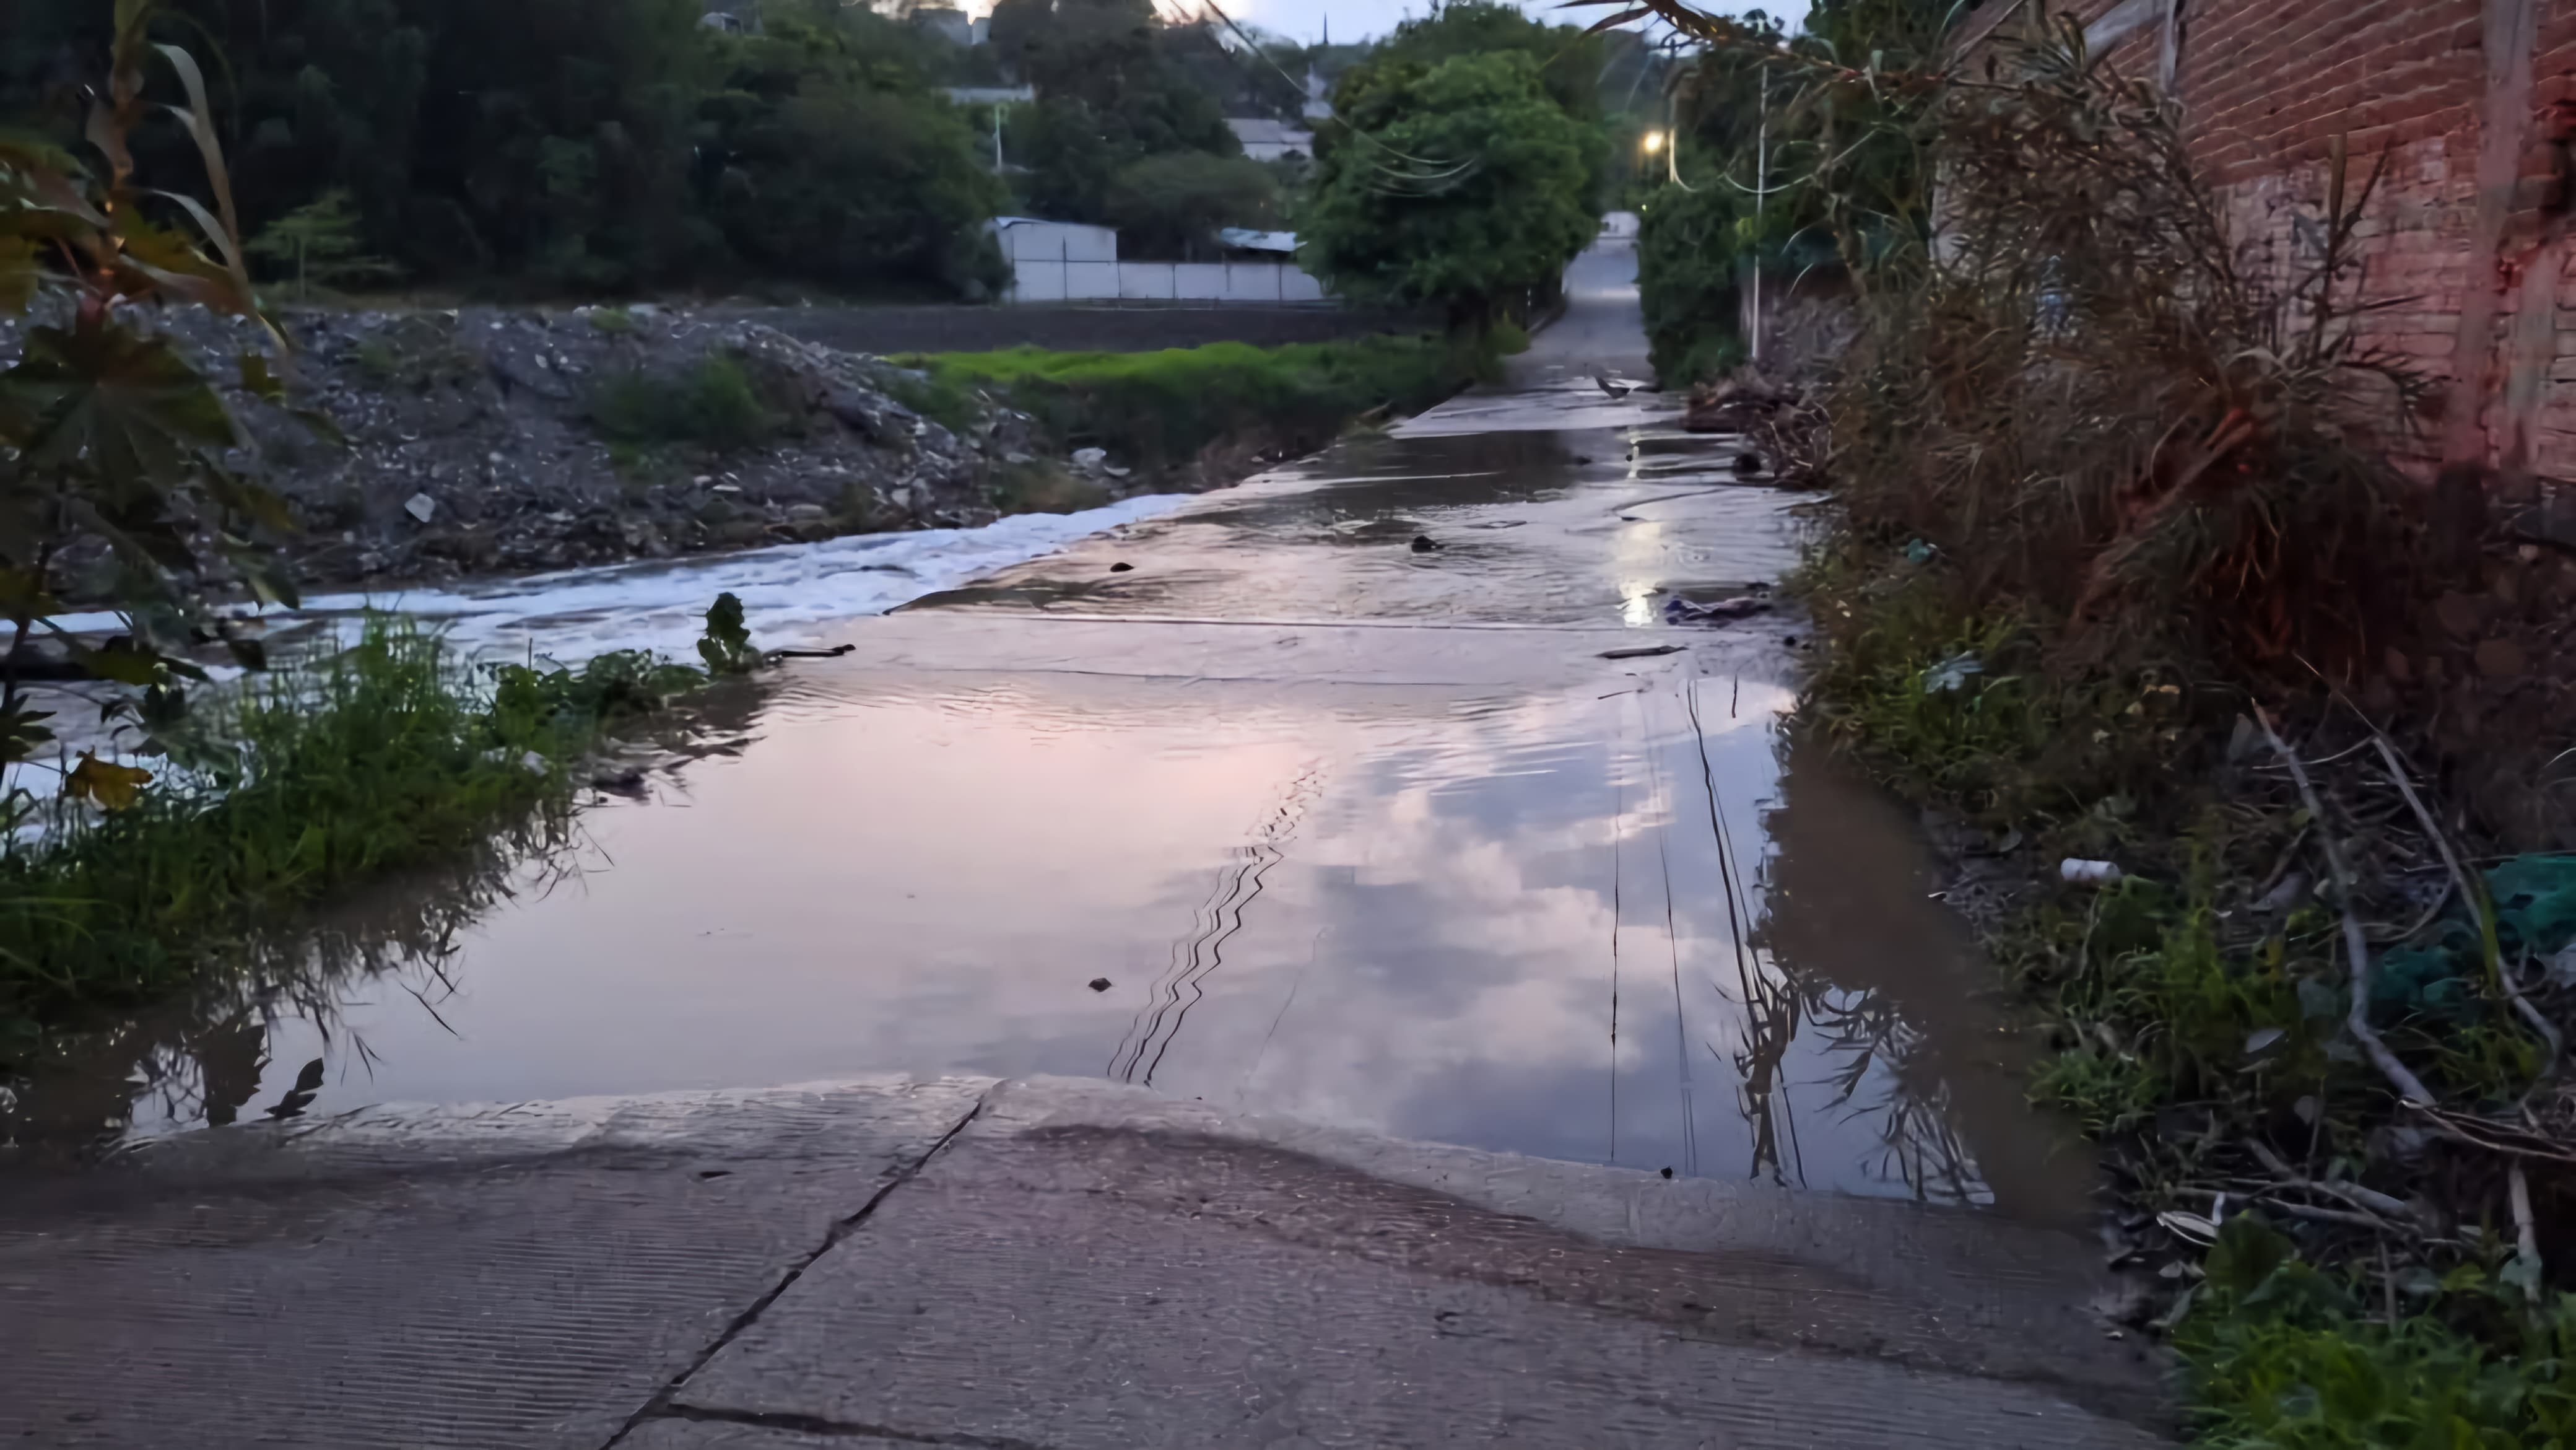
{"x":2356,"y":946}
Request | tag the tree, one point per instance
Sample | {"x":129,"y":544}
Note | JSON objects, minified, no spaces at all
{"x":319,"y":243}
{"x":835,"y":160}
{"x":1462,"y":185}
{"x":1112,"y":91}
{"x":1172,"y":205}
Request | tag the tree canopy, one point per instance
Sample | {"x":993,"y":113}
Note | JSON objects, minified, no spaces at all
{"x":1460,"y":182}
{"x":590,"y":144}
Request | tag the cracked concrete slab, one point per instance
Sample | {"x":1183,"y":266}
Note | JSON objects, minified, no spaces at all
{"x":520,"y":1275}
{"x":1092,"y":1266}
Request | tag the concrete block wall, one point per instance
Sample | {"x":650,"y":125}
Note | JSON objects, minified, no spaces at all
{"x":2472,"y":104}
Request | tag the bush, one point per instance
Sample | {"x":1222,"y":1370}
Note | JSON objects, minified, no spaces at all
{"x":712,"y":405}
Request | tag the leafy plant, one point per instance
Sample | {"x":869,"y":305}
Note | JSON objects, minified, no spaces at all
{"x":727,"y":647}
{"x":109,"y":437}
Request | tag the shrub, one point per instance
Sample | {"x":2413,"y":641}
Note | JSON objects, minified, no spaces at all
{"x":712,"y":405}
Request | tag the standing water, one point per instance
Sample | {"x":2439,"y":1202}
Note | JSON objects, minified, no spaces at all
{"x":1359,"y":793}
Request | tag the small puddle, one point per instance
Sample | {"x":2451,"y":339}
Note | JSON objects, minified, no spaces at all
{"x":1289,"y":816}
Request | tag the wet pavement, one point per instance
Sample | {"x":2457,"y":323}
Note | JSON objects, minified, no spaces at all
{"x":1282,"y":846}
{"x":1257,"y":803}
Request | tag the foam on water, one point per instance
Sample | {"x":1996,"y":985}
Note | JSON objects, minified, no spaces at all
{"x":789,"y":593}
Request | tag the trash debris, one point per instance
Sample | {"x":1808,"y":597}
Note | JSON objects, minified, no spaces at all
{"x":1919,"y":552}
{"x":421,"y":506}
{"x":1424,"y":543}
{"x":1100,"y":984}
{"x":1088,"y":459}
{"x":2088,"y":873}
{"x":1685,"y":611}
{"x":1952,"y":674}
{"x":535,"y":764}
{"x":628,"y":783}
{"x":2262,"y":1037}
{"x":1643,"y":653}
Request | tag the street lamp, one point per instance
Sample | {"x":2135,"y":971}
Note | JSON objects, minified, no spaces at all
{"x":1653,"y":141}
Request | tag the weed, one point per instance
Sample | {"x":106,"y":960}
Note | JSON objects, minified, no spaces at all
{"x":2284,"y":1356}
{"x":711,"y":405}
{"x":1044,"y":488}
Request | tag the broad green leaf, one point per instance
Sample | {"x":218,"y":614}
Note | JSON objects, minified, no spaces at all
{"x":122,"y":660}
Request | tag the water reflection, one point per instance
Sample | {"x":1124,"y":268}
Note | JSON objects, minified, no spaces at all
{"x":1350,"y":832}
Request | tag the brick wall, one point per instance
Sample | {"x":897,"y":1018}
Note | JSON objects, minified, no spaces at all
{"x":2470,"y":102}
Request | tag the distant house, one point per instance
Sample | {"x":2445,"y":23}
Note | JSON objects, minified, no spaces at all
{"x":733,"y":17}
{"x":1071,"y":262}
{"x":951,"y":24}
{"x":1261,"y":246}
{"x":1268,"y":140}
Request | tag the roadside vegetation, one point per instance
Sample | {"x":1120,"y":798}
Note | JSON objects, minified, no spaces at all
{"x":1160,"y":410}
{"x":2120,"y":572}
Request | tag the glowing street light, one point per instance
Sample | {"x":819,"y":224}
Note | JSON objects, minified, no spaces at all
{"x":1653,"y":141}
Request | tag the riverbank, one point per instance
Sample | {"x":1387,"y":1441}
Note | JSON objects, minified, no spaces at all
{"x":484,"y":441}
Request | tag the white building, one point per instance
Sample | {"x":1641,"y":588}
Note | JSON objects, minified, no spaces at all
{"x":1267,"y":140}
{"x":1071,"y":262}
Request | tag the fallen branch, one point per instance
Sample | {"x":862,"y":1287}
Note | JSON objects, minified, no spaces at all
{"x":2410,"y":1088}
{"x":2353,"y":1193}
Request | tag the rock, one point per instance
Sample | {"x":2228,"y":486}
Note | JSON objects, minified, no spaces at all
{"x":1424,"y":544}
{"x":806,"y":513}
{"x":1090,"y":459}
{"x":421,"y":506}
{"x":1122,"y":568}
{"x":1100,"y":984}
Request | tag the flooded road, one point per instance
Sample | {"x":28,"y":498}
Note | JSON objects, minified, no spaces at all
{"x":1257,"y":801}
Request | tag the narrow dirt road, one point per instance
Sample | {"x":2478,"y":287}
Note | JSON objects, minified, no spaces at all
{"x":1191,"y":877}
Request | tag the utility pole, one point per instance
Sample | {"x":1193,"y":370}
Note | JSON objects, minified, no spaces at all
{"x":1761,"y":201}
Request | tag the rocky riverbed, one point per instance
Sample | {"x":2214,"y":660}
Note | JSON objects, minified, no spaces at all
{"x":486,"y":440}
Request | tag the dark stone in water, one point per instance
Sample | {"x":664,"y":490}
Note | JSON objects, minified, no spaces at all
{"x":1122,"y":568}
{"x":1100,"y":984}
{"x":1424,"y":543}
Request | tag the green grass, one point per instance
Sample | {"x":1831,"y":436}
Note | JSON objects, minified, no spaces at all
{"x":2286,"y":1356}
{"x":284,"y":795}
{"x":1156,"y":410}
{"x":711,"y":405}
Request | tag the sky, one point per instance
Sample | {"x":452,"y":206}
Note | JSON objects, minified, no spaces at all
{"x":1305,"y":20}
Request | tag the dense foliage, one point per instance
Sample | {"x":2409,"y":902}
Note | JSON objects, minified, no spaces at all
{"x":597,"y":144}
{"x":1457,"y":174}
{"x":1129,"y":126}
